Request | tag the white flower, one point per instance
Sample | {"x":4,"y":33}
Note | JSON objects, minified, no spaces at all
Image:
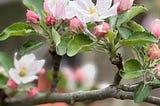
{"x":87,"y":11}
{"x":26,"y":69}
{"x":59,"y":8}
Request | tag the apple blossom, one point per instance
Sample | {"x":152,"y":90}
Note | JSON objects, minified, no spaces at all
{"x":32,"y":16}
{"x":153,"y":51}
{"x":87,"y":11}
{"x":124,"y":4}
{"x":59,"y":8}
{"x":75,"y":24}
{"x":33,"y":92}
{"x":12,"y":84}
{"x":101,"y":30}
{"x":155,"y":26}
{"x":26,"y":69}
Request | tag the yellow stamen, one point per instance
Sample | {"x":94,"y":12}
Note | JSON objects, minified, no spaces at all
{"x":92,"y":10}
{"x":23,"y":72}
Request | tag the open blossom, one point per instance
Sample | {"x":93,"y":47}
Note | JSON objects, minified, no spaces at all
{"x":87,"y":11}
{"x":26,"y":69}
{"x":12,"y":84}
{"x":75,"y":24}
{"x":101,"y":30}
{"x":124,"y":4}
{"x":59,"y":8}
{"x":33,"y":92}
{"x":153,"y":51}
{"x":155,"y":26}
{"x":32,"y":16}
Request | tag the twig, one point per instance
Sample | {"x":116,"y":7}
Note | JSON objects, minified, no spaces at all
{"x":56,"y":64}
{"x":109,"y":92}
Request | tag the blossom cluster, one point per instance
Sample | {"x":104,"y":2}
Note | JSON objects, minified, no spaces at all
{"x":79,"y":13}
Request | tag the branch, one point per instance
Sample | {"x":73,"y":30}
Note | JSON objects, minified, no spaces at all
{"x":81,"y":96}
{"x":117,"y":60}
{"x":56,"y":63}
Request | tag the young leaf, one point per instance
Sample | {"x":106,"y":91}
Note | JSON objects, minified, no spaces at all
{"x":62,"y":46}
{"x":135,"y":26}
{"x":132,"y":69}
{"x":29,"y":46}
{"x":35,"y":5}
{"x":56,"y":37}
{"x":6,"y":61}
{"x":17,"y":29}
{"x":141,"y":92}
{"x":140,"y":38}
{"x":79,"y":42}
{"x":124,"y":32}
{"x":128,"y":15}
{"x":3,"y":81}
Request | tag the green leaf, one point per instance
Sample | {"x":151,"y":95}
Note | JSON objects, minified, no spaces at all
{"x":55,"y":36}
{"x":3,"y":81}
{"x":135,"y":26}
{"x":17,"y":29}
{"x":140,"y":38}
{"x":29,"y":46}
{"x":6,"y":61}
{"x":35,"y":5}
{"x":62,"y":46}
{"x":128,"y":15}
{"x":132,"y":69}
{"x":132,"y":65}
{"x":112,"y":22}
{"x":141,"y":93}
{"x":63,"y":81}
{"x":124,"y":32}
{"x":78,"y":43}
{"x":132,"y":74}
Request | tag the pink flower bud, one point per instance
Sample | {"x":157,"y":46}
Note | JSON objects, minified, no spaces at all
{"x":42,"y":71}
{"x":155,"y":26}
{"x":79,"y":75}
{"x":32,"y":16}
{"x":50,"y":20}
{"x":124,"y":4}
{"x":12,"y":84}
{"x":101,"y":30}
{"x":33,"y":92}
{"x":153,"y":51}
{"x":75,"y":24}
{"x":157,"y":67}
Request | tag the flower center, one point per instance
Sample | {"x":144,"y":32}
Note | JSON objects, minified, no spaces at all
{"x":23,"y":72}
{"x":92,"y":10}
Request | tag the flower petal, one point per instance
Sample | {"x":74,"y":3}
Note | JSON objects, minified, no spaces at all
{"x":102,"y":5}
{"x":28,"y":58}
{"x":28,"y":79}
{"x":14,"y":75}
{"x":85,"y":4}
{"x":111,"y":12}
{"x":35,"y":67}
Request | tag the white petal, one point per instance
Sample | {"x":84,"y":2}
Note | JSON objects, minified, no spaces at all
{"x":17,"y":64}
{"x":85,"y":4}
{"x":102,"y":5}
{"x":35,"y":67}
{"x":28,"y":58}
{"x":28,"y":79}
{"x":14,"y":75}
{"x":111,"y":12}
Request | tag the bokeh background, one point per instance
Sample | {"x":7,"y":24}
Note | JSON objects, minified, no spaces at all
{"x":13,"y":11}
